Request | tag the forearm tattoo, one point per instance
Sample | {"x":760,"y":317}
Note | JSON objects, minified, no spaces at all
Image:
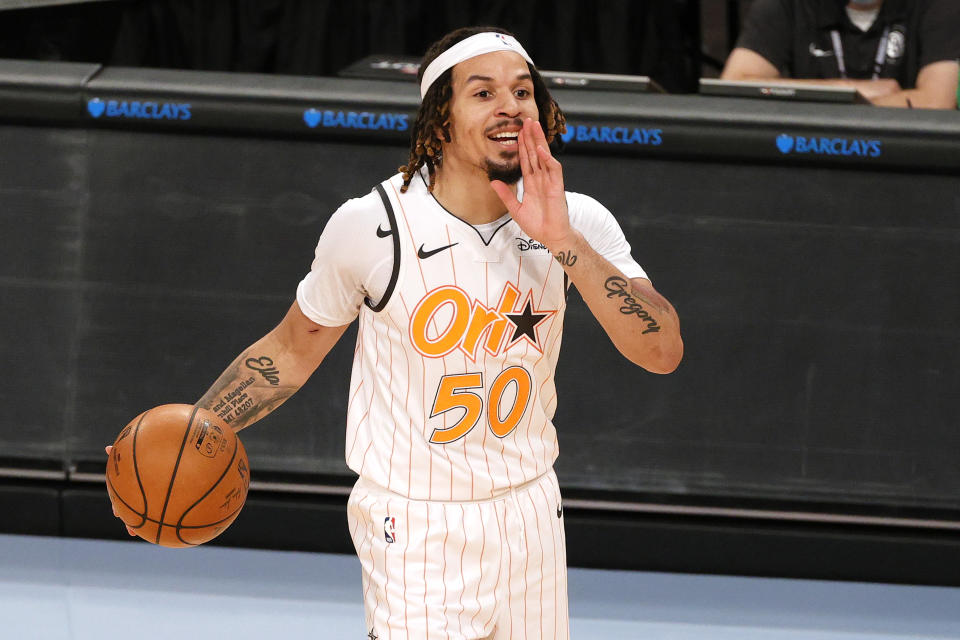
{"x":238,"y":399}
{"x":632,"y":302}
{"x":264,"y":366}
{"x":566,"y":258}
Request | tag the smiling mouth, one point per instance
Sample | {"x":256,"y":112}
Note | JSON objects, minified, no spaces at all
{"x":506,"y":138}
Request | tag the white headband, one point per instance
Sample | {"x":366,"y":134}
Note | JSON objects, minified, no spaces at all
{"x":471,"y":47}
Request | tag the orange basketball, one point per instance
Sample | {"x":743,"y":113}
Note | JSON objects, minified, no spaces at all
{"x":177,"y":475}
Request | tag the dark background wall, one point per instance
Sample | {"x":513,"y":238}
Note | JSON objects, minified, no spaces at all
{"x":320,"y":37}
{"x":818,"y":311}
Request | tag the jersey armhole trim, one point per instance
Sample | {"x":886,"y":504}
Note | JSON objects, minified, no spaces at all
{"x":392,"y":219}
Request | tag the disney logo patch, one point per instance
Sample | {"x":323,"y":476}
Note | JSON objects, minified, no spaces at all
{"x":529,"y":244}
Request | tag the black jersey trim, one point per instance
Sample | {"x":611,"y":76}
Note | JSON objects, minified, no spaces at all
{"x":395,"y":274}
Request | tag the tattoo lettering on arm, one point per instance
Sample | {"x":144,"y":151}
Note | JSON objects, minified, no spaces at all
{"x":632,"y":301}
{"x":264,"y":365}
{"x":239,"y":399}
{"x":249,"y":411}
{"x":227,"y":403}
{"x":566,"y":258}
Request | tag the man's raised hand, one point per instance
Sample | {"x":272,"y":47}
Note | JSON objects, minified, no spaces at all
{"x":543,"y":213}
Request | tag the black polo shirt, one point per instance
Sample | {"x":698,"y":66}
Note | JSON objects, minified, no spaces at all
{"x":796,"y":37}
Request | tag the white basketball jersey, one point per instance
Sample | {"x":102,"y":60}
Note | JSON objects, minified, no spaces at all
{"x":452,"y":393}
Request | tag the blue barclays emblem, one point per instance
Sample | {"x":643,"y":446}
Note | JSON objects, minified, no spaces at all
{"x":830,"y":146}
{"x":135,"y":109}
{"x":785,"y":143}
{"x":312,"y":117}
{"x":96,"y":107}
{"x":613,"y":135}
{"x":356,"y":120}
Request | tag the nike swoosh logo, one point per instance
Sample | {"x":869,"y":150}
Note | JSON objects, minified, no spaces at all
{"x":383,"y":234}
{"x":426,"y":254}
{"x":819,"y":53}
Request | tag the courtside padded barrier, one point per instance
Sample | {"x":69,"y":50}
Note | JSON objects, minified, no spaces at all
{"x":42,"y":91}
{"x":29,"y":508}
{"x":648,"y":125}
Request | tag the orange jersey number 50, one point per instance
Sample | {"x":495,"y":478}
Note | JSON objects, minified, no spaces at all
{"x":453,"y":392}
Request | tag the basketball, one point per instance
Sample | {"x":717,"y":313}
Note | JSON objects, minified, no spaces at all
{"x":177,"y":475}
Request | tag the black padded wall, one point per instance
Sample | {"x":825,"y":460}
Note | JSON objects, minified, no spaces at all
{"x":817,"y":304}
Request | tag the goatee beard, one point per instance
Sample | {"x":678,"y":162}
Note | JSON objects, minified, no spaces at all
{"x":506,"y":174}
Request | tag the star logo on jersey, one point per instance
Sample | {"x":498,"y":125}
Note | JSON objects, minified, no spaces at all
{"x":372,"y":635}
{"x":446,"y":319}
{"x":526,"y":323}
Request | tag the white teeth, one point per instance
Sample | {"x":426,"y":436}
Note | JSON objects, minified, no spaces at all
{"x":510,"y":135}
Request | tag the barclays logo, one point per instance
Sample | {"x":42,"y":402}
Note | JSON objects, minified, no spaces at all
{"x":613,"y":135}
{"x":353,"y":120}
{"x":139,"y":110}
{"x":829,"y":146}
{"x":785,"y":143}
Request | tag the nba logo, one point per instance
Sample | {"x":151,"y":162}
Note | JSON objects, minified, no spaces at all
{"x":389,"y":528}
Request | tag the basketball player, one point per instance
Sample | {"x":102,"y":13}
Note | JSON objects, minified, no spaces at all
{"x":458,"y":268}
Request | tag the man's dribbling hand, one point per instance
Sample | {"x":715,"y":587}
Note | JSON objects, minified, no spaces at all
{"x":543,"y":213}
{"x":108,"y":449}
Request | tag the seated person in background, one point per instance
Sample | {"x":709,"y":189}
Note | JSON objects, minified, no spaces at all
{"x":897,"y":53}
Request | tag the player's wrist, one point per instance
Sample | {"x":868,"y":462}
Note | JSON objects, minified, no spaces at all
{"x":566,"y":248}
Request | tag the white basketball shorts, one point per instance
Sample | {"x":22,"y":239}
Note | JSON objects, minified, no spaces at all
{"x":432,"y":570}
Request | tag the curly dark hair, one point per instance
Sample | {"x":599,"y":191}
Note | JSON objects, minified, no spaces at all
{"x":434,"y":112}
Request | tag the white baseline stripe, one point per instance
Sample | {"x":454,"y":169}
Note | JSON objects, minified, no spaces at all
{"x":610,"y":505}
{"x":730,"y":512}
{"x":37,"y":474}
